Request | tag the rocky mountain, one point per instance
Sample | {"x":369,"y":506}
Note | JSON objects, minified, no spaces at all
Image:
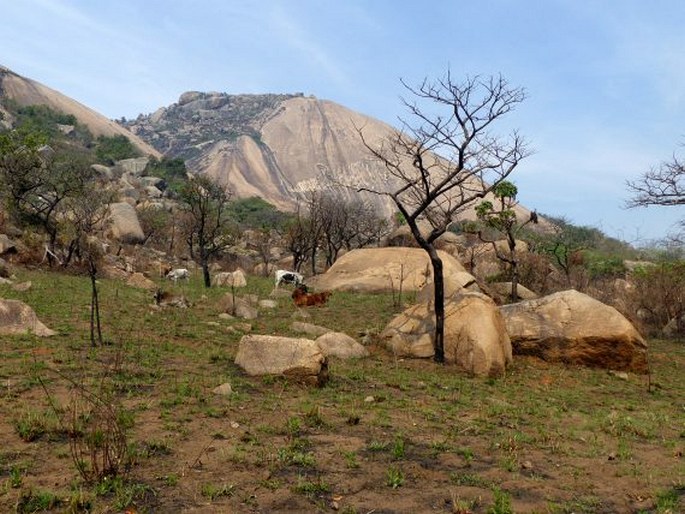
{"x":25,"y":91}
{"x":275,"y":146}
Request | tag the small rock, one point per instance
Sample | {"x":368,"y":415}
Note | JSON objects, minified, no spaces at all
{"x":619,"y":374}
{"x":22,"y":286}
{"x":224,"y":390}
{"x":527,"y":465}
{"x":369,"y":399}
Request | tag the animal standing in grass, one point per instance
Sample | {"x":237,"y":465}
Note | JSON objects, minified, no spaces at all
{"x":304,"y":299}
{"x":288,"y":277}
{"x":178,"y":274}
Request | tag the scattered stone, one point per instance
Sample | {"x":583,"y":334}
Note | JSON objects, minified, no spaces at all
{"x":237,"y":307}
{"x":619,"y":374}
{"x":18,"y":318}
{"x":340,"y":345}
{"x":22,"y":286}
{"x":309,"y":328}
{"x":369,"y":399}
{"x":268,"y":304}
{"x":223,"y":390}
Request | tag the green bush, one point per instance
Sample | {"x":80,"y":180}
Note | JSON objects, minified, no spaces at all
{"x":108,"y":150}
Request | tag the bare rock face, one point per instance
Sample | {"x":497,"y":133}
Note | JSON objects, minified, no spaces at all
{"x":340,"y":345}
{"x":574,"y":328}
{"x":125,"y":224}
{"x":374,"y":270}
{"x":18,"y":318}
{"x":476,"y":340}
{"x":299,"y":359}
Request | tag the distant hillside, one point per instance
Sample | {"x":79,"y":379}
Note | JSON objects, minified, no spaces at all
{"x":26,"y":92}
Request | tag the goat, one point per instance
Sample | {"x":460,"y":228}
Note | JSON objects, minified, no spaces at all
{"x":304,"y":299}
{"x":177,"y":274}
{"x":288,"y":277}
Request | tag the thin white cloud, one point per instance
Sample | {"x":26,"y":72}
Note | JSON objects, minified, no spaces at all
{"x":296,"y":37}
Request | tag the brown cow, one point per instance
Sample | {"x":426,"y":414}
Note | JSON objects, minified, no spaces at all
{"x":304,"y":299}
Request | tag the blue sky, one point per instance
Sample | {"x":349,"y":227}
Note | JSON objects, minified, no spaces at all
{"x":605,"y":78}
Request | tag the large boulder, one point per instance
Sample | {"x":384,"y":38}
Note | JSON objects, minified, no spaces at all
{"x":375,"y":270}
{"x":574,"y":328}
{"x":125,"y":224}
{"x":18,"y":318}
{"x":299,"y":359}
{"x":476,"y":339}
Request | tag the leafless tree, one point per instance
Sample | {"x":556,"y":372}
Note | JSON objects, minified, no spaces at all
{"x":87,"y":218}
{"x":438,"y":165}
{"x":661,"y":186}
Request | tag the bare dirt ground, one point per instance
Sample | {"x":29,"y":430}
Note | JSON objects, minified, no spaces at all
{"x":383,"y":436}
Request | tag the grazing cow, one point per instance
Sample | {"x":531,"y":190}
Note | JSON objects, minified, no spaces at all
{"x":288,"y":277}
{"x":304,"y":299}
{"x":178,"y":274}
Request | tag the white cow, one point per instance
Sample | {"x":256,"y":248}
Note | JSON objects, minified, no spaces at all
{"x":178,"y":274}
{"x":288,"y":277}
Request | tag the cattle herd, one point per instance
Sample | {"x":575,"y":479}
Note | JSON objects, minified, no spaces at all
{"x":301,"y":295}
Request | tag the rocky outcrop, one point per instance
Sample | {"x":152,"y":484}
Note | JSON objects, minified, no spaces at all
{"x":18,"y":318}
{"x":278,"y":147}
{"x":476,"y":339}
{"x":299,"y":359}
{"x":574,"y":328}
